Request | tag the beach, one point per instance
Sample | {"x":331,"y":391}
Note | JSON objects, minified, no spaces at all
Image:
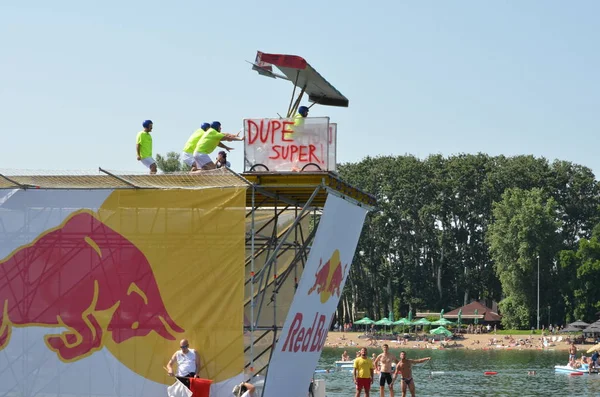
{"x":484,"y":341}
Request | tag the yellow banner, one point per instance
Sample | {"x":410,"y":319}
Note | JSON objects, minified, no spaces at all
{"x":194,"y":244}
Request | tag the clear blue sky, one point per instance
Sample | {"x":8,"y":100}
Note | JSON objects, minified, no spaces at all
{"x":423,"y":77}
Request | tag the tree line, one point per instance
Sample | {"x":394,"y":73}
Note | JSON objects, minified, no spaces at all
{"x":448,"y":230}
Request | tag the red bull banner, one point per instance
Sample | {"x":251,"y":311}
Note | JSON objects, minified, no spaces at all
{"x":98,"y":287}
{"x":289,"y":144}
{"x":301,"y":341}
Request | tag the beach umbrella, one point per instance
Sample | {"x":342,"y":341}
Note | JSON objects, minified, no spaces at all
{"x":384,"y":321}
{"x":403,"y":321}
{"x":410,"y":315}
{"x":364,"y":321}
{"x":442,"y":314}
{"x":569,"y":328}
{"x":442,"y":321}
{"x":422,"y":322}
{"x":459,"y":321}
{"x":592,"y":329}
{"x":440,"y":331}
{"x":578,"y":324}
{"x":391,"y":316}
{"x":594,"y":348}
{"x":476,"y":312}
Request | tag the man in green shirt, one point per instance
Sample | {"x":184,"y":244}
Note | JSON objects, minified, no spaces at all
{"x":187,"y":154}
{"x":188,"y":150}
{"x":143,"y":146}
{"x":208,"y":143}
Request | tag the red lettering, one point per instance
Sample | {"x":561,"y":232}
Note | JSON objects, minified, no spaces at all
{"x":285,"y":131}
{"x":309,"y":333}
{"x":322,"y":152}
{"x":275,"y":125}
{"x":316,"y":344}
{"x":252,"y":130}
{"x":266,"y":130}
{"x":312,"y":158}
{"x":300,"y":338}
{"x":294,"y":328}
{"x":303,"y":153}
{"x":298,"y":342}
{"x":293,"y":151}
{"x":277,"y":154}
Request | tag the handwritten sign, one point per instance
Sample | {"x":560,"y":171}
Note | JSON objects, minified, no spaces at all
{"x":288,"y":145}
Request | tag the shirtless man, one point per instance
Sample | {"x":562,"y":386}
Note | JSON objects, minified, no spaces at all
{"x":404,"y":367}
{"x":384,"y":363}
{"x":345,"y":356}
{"x":572,"y":352}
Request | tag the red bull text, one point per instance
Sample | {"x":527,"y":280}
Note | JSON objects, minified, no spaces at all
{"x":306,"y":339}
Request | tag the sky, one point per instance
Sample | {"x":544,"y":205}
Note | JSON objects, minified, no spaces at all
{"x":77,"y":78}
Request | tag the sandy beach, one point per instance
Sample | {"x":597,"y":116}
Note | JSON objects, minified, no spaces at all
{"x":356,"y":340}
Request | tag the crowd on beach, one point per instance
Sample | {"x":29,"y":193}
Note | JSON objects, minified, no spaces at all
{"x":474,"y":341}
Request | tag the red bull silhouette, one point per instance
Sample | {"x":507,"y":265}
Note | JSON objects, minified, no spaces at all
{"x":329,"y":277}
{"x":69,"y":275}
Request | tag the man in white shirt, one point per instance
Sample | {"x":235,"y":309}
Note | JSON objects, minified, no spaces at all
{"x":243,"y":390}
{"x":188,"y":363}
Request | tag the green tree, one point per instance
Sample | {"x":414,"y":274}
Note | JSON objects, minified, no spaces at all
{"x":426,"y":245}
{"x":171,"y":163}
{"x":524,"y":227}
{"x":583,"y":267}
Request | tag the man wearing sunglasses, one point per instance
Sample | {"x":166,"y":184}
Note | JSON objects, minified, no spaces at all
{"x":188,"y":363}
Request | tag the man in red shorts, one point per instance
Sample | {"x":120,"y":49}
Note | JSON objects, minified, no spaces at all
{"x":363,"y":373}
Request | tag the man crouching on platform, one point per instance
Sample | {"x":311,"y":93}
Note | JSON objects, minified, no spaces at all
{"x":188,"y":363}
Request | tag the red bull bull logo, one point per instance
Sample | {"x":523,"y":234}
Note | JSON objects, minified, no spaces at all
{"x":329,"y":277}
{"x":310,"y":337}
{"x":87,"y":278}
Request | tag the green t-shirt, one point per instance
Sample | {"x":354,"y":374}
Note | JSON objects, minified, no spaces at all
{"x":192,"y":141}
{"x":298,"y":125}
{"x":209,"y":141}
{"x":144,"y":139}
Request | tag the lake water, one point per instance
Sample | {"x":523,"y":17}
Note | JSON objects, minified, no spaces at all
{"x":464,"y":374}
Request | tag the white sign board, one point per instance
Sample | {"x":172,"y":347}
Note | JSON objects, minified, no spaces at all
{"x":288,"y":144}
{"x":300,"y":342}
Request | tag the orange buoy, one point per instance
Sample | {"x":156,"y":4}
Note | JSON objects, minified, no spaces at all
{"x":490,"y":373}
{"x":576,"y":373}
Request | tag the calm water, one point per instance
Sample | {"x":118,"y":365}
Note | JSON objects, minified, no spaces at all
{"x":463,"y":374}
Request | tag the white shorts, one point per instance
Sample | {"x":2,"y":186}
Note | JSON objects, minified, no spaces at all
{"x":201,"y":159}
{"x":187,"y":158}
{"x":148,"y":161}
